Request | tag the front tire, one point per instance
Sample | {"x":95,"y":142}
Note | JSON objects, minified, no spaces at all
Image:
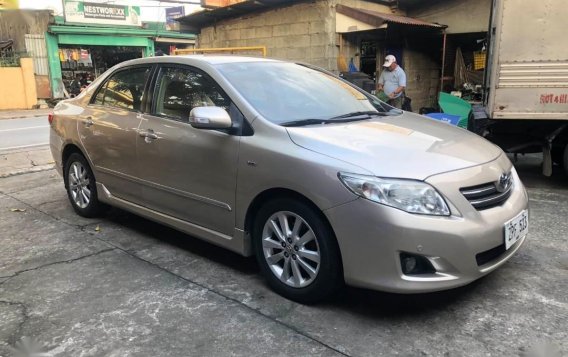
{"x":297,"y":251}
{"x":81,"y":187}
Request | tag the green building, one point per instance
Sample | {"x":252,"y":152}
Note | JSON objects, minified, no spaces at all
{"x":84,"y":43}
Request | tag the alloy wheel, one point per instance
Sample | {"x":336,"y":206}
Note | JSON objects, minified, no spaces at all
{"x":291,"y":249}
{"x":79,"y":184}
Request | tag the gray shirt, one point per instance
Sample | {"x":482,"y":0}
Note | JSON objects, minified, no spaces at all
{"x":391,"y":80}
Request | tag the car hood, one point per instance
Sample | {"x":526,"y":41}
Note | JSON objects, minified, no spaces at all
{"x":404,"y":146}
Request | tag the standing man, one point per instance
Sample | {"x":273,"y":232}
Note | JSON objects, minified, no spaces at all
{"x":393,"y":82}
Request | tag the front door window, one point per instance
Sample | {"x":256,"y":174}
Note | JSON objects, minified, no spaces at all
{"x":181,"y":89}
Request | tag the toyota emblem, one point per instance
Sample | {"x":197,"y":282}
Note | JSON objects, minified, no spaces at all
{"x":504,"y":182}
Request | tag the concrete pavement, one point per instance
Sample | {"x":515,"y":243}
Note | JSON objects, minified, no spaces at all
{"x":75,"y":287}
{"x":25,"y":160}
{"x":24,"y":145}
{"x":123,"y":286}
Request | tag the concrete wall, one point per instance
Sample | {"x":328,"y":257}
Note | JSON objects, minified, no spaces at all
{"x":422,"y":78}
{"x":304,"y":32}
{"x":15,"y":24}
{"x":461,"y":16}
{"x":17,"y":87}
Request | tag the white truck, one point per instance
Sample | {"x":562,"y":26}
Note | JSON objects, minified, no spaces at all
{"x":526,"y":81}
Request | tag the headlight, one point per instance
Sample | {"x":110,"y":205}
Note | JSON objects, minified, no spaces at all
{"x":408,"y":195}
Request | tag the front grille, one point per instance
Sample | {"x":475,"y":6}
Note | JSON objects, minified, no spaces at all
{"x":486,"y":196}
{"x":490,"y":255}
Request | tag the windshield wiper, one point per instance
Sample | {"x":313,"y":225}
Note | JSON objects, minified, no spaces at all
{"x":358,"y":114}
{"x":303,"y":122}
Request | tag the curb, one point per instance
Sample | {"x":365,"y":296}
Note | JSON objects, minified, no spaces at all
{"x":38,"y":147}
{"x":5,"y":116}
{"x":38,"y":168}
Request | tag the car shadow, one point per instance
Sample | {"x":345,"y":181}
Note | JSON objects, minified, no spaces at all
{"x":166,"y":235}
{"x":380,"y":305}
{"x":363,"y":302}
{"x":356,"y":301}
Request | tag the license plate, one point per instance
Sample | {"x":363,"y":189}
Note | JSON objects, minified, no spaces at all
{"x":516,"y":228}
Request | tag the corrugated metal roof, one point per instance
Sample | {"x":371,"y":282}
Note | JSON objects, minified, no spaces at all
{"x":204,"y":18}
{"x":378,"y":18}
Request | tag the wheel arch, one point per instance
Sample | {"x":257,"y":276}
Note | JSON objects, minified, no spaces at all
{"x":331,"y":277}
{"x":69,"y":149}
{"x":275,"y":193}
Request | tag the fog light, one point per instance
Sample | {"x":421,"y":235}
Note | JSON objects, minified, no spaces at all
{"x":409,"y":264}
{"x":413,"y":264}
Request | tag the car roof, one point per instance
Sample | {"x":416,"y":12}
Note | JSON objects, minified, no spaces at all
{"x":210,"y":59}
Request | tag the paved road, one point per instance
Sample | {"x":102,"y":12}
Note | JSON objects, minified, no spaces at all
{"x":23,"y":133}
{"x":123,"y":286}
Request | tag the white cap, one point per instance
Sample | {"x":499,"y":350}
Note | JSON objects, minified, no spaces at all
{"x":390,"y":59}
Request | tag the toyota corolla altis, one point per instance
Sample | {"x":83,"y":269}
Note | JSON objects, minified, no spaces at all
{"x":322,"y":182}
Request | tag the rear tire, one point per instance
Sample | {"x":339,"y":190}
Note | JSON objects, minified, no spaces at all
{"x":81,"y":187}
{"x":297,"y":251}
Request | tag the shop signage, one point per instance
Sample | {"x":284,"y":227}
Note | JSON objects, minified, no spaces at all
{"x":77,"y":11}
{"x":96,"y":11}
{"x":172,"y":13}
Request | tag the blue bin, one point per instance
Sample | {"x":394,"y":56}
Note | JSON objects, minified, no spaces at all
{"x":448,"y":118}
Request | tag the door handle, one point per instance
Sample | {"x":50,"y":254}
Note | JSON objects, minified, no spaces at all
{"x":88,"y":121}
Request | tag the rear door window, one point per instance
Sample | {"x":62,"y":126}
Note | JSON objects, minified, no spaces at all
{"x":124,"y":89}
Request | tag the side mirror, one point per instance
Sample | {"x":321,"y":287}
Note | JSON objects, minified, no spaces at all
{"x":209,"y":118}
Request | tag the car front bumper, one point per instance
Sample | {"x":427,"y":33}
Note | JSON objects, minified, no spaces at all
{"x":372,"y":236}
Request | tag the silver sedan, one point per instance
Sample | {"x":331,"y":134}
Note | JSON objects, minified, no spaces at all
{"x":322,"y":182}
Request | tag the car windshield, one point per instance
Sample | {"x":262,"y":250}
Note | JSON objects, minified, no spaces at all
{"x":287,"y":93}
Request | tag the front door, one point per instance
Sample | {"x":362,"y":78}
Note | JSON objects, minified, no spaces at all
{"x":189,"y":173}
{"x":108,"y":130}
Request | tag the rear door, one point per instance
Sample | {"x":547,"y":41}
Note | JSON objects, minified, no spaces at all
{"x":108,"y":130}
{"x":189,"y":173}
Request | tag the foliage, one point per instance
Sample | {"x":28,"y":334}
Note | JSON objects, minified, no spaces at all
{"x":11,"y":58}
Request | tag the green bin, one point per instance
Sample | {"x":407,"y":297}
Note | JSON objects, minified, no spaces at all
{"x":456,"y":106}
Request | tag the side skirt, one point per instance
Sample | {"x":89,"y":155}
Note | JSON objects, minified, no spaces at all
{"x":237,"y":243}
